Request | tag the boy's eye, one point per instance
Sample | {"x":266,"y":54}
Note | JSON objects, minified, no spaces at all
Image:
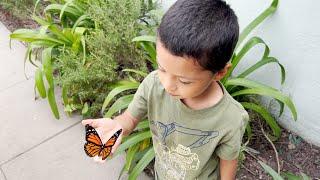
{"x":184,"y":82}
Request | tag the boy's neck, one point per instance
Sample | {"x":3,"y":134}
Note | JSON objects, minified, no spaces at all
{"x":211,"y":96}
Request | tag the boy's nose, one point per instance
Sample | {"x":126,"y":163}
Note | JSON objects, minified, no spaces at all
{"x":170,"y":85}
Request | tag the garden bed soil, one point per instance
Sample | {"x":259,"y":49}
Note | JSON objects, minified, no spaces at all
{"x":294,"y":157}
{"x":13,"y":23}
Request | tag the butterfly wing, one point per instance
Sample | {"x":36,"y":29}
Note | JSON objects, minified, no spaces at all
{"x":92,"y":149}
{"x":92,"y":136}
{"x":94,"y":145}
{"x":105,"y":152}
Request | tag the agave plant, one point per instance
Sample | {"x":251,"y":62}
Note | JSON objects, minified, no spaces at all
{"x":239,"y":86}
{"x":139,"y":150}
{"x":283,"y":175}
{"x":51,"y":38}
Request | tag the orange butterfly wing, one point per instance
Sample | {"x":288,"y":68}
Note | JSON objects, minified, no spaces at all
{"x":105,"y":152}
{"x":94,"y":145}
{"x":109,"y":144}
{"x":92,"y":149}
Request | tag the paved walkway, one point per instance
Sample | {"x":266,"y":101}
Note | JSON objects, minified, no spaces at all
{"x":34,"y":145}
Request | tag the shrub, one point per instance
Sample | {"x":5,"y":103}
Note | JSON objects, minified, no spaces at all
{"x":84,"y":45}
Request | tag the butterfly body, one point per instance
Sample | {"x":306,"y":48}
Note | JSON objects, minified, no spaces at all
{"x":94,"y":145}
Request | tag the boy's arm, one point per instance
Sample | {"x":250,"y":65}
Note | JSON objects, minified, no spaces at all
{"x":138,"y":107}
{"x":228,"y":169}
{"x":229,"y":149}
{"x":127,"y":121}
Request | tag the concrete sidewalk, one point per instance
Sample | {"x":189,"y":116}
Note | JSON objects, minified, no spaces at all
{"x":34,"y":145}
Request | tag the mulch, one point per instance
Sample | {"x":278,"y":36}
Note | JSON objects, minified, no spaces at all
{"x":13,"y":23}
{"x":294,"y":156}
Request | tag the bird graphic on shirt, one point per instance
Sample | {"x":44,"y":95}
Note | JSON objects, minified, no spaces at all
{"x":167,"y":129}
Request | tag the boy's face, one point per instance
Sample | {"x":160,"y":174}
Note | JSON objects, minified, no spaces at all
{"x":182,"y":77}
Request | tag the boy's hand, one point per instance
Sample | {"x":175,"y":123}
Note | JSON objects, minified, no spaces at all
{"x":105,"y":127}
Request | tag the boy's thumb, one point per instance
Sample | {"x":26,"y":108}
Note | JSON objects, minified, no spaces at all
{"x":87,"y":121}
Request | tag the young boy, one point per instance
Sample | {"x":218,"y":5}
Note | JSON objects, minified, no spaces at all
{"x":196,"y":125}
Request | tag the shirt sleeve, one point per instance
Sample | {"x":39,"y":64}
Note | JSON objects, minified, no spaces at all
{"x":229,"y":148}
{"x":138,"y":107}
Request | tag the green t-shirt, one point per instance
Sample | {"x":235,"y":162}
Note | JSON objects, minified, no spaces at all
{"x":187,"y":142}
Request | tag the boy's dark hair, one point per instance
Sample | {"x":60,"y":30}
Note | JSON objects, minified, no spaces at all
{"x":206,"y":30}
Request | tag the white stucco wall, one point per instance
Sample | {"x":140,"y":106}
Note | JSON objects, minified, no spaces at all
{"x":293,"y":35}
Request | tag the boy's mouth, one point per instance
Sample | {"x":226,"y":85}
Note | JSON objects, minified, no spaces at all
{"x":173,"y":94}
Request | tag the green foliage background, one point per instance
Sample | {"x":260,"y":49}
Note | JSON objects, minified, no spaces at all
{"x":99,"y":51}
{"x":110,"y":49}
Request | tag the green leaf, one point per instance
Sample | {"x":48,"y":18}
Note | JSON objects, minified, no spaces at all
{"x":150,"y":49}
{"x":236,"y":58}
{"x":40,"y":21}
{"x":266,"y":116}
{"x":28,"y":35}
{"x":232,"y":83}
{"x":247,"y":83}
{"x":146,"y":38}
{"x":35,"y":6}
{"x":142,"y":125}
{"x":262,"y":62}
{"x":71,"y":12}
{"x":65,"y":95}
{"x":270,"y":10}
{"x":80,"y":31}
{"x":132,"y":140}
{"x":69,"y":34}
{"x":268,"y":92}
{"x":47,"y":66}
{"x":249,"y":131}
{"x":144,"y":161}
{"x":80,"y":6}
{"x":52,"y":102}
{"x":39,"y":83}
{"x":83,"y":42}
{"x":145,"y":144}
{"x":139,"y":155}
{"x":122,"y":86}
{"x":80,"y":20}
{"x":45,"y":44}
{"x":290,"y":176}
{"x":304,"y":176}
{"x":143,"y":74}
{"x":130,"y":155}
{"x":27,"y":56}
{"x":121,"y":172}
{"x":56,"y":31}
{"x":85,"y":108}
{"x":64,"y":8}
{"x":120,"y":104}
{"x":270,"y":171}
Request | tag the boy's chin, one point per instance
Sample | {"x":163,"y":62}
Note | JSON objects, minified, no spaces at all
{"x":177,"y":97}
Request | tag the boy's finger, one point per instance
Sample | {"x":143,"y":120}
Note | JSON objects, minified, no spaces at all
{"x":98,"y":159}
{"x":91,"y":122}
{"x":87,"y":121}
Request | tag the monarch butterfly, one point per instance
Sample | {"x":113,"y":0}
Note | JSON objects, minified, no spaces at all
{"x":94,"y":145}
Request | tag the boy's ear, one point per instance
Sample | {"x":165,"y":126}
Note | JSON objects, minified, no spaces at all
{"x":220,"y":74}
